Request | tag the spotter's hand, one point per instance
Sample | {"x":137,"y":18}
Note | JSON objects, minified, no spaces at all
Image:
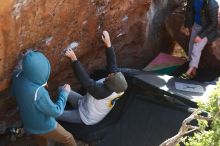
{"x":197,"y":39}
{"x":67,"y":87}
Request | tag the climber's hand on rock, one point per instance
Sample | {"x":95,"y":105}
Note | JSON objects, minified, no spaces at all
{"x":70,"y":54}
{"x":106,"y":39}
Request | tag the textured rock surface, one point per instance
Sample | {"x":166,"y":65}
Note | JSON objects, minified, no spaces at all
{"x":136,"y":27}
{"x":210,"y":58}
{"x":51,"y":25}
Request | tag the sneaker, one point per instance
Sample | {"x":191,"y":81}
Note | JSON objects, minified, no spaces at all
{"x":186,"y":76}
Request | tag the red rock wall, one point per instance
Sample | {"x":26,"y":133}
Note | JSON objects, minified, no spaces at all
{"x":51,"y":25}
{"x":136,"y":27}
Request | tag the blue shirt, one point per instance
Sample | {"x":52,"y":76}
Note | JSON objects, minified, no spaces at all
{"x":37,"y":110}
{"x":198,"y":4}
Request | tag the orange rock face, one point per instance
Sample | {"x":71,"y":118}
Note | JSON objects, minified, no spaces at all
{"x":136,"y":28}
{"x":51,"y":25}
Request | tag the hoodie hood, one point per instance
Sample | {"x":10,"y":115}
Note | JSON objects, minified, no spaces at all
{"x":36,"y":67}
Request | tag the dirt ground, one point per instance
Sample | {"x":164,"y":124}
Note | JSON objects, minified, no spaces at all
{"x":28,"y":141}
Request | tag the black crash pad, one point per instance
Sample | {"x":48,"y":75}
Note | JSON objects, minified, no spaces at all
{"x":142,"y":116}
{"x":144,"y":124}
{"x":187,"y":91}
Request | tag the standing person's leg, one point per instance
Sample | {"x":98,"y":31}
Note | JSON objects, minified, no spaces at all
{"x":193,"y":34}
{"x":191,"y":42}
{"x":59,"y":135}
{"x":190,"y":49}
{"x":197,"y":51}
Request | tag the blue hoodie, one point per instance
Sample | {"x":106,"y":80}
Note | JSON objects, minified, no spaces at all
{"x":37,"y":110}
